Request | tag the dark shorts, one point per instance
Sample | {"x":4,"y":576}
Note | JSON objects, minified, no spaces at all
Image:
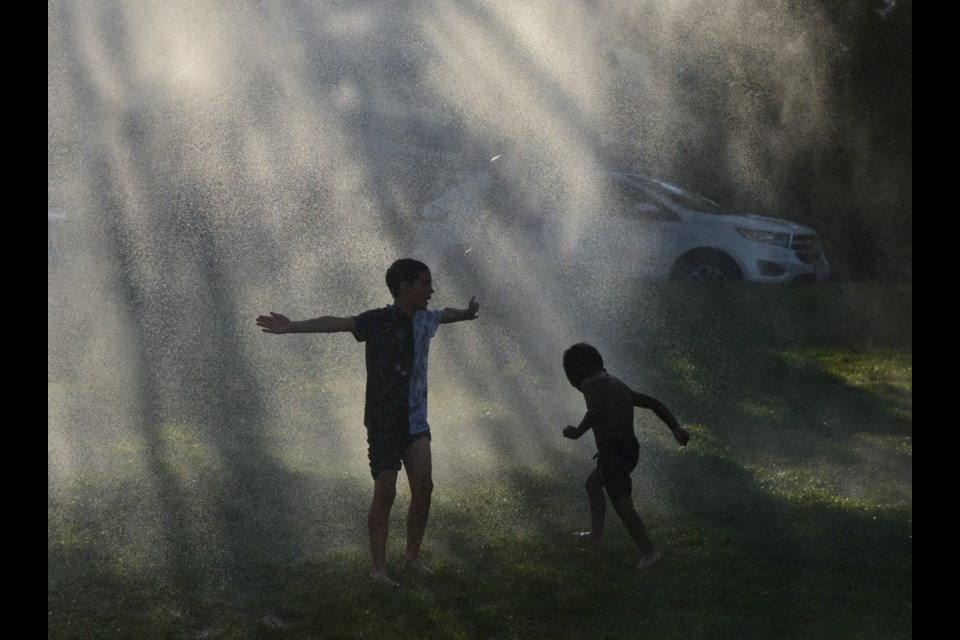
{"x":385,"y":447}
{"x":616,"y":459}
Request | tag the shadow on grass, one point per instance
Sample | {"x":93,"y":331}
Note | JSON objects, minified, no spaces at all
{"x":739,"y":562}
{"x":762,"y":367}
{"x":108,"y":574}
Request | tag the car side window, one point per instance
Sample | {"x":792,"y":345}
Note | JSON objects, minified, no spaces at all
{"x":636,"y":204}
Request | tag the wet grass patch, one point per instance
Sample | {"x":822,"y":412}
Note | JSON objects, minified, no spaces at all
{"x":788,"y":516}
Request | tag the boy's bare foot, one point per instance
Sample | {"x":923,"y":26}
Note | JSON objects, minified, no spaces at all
{"x":380,"y":577}
{"x":650,"y":560}
{"x":416,"y":566}
{"x":588,"y":538}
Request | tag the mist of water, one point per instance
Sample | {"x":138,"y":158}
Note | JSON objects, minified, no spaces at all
{"x":216,"y":161}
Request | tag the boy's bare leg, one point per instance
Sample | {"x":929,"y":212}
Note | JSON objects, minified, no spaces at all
{"x":418,"y":461}
{"x":598,"y":509}
{"x":631,"y":519}
{"x":378,"y":522}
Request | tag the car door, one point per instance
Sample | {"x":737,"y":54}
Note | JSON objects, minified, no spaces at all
{"x":634,"y":231}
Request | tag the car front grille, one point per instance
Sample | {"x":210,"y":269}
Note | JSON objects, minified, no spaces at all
{"x":807,"y":248}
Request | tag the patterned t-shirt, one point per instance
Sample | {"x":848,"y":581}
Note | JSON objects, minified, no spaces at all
{"x":396,"y":351}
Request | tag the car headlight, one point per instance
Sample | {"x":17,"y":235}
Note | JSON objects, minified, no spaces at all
{"x":767,"y":237}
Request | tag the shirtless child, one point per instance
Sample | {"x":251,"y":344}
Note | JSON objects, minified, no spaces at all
{"x":610,"y":405}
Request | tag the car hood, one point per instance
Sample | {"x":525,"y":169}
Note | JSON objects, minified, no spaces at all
{"x":761,"y":223}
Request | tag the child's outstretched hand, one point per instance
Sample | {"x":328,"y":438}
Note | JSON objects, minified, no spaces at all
{"x":472,"y":308}
{"x":681,"y":435}
{"x":274,"y":323}
{"x":570,"y":432}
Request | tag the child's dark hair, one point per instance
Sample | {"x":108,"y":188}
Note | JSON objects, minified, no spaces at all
{"x":404,"y":270}
{"x":582,"y":357}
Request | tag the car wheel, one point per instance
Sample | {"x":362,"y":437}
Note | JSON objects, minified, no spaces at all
{"x":707,"y":266}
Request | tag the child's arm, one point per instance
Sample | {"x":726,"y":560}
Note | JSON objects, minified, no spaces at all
{"x":594,"y":412}
{"x":456,"y":315}
{"x":646,"y":402}
{"x":278,"y":323}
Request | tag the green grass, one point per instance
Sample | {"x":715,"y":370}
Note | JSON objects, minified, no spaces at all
{"x":788,"y":516}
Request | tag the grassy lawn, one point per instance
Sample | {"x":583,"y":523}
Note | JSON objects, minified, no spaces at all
{"x":788,"y":516}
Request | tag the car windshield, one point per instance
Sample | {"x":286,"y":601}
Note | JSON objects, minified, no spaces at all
{"x":683,"y":198}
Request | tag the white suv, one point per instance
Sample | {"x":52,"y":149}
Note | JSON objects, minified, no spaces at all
{"x":636,"y":226}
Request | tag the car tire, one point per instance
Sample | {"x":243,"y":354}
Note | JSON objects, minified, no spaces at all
{"x":707,"y":266}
